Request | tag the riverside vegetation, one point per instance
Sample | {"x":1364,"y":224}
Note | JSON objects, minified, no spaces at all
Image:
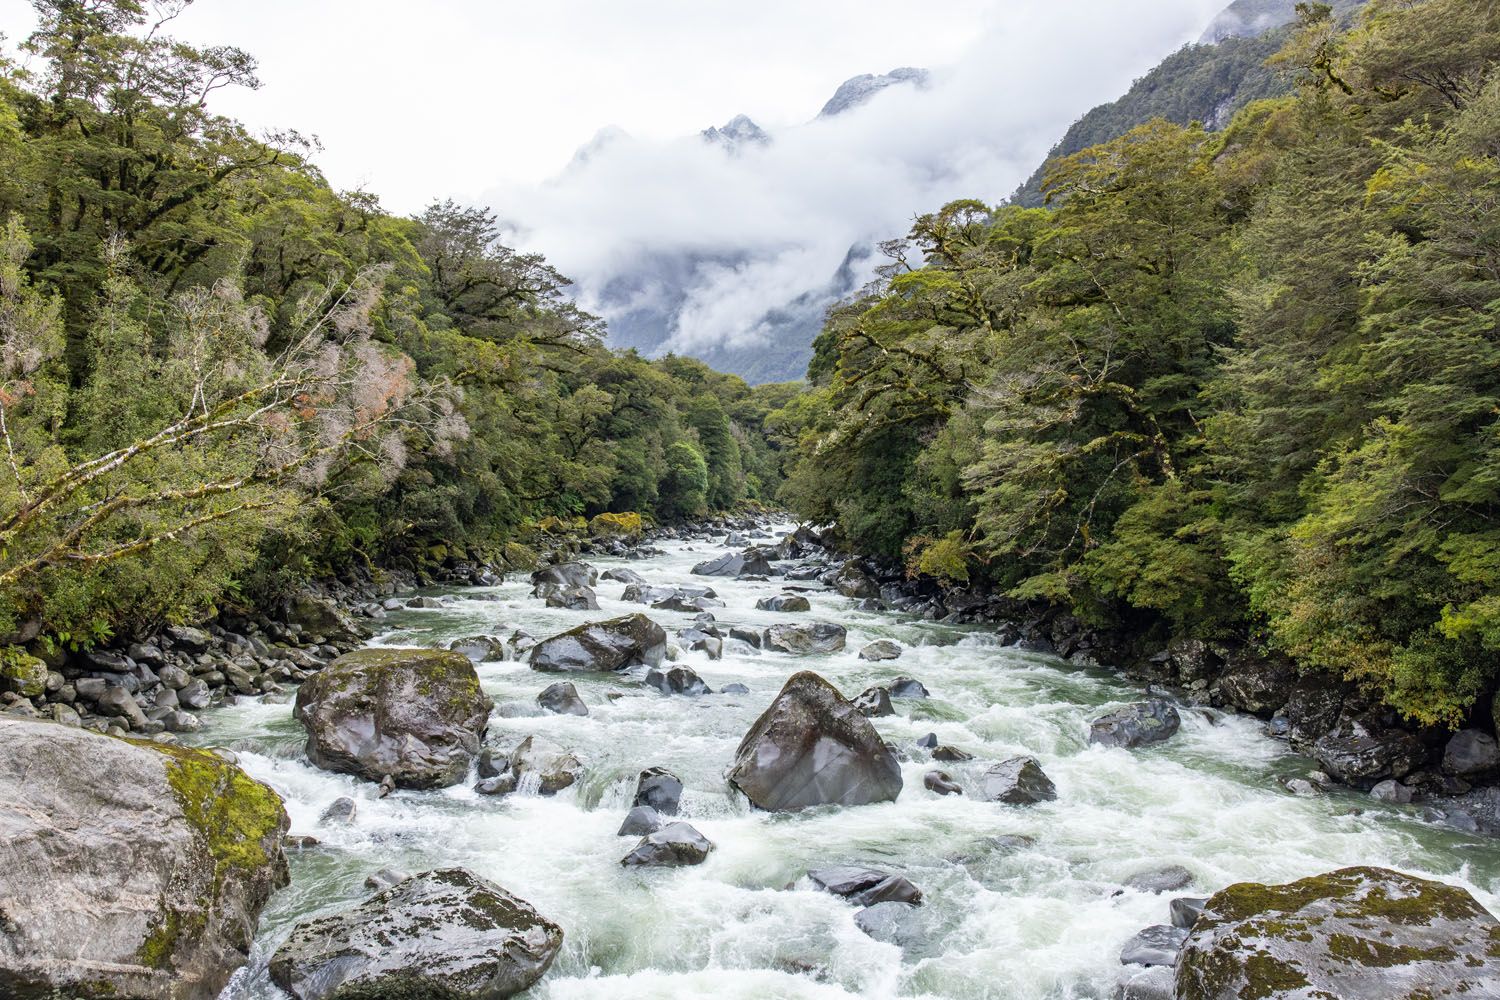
{"x":1221,"y":414}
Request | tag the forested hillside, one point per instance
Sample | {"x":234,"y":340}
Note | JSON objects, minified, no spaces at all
{"x":221,"y":376}
{"x":1242,"y":384}
{"x":1206,"y":83}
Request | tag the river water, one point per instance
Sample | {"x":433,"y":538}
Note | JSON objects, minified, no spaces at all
{"x":1041,"y":917}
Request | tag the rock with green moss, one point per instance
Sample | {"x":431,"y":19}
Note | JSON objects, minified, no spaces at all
{"x":141,"y":874}
{"x":22,"y":673}
{"x":414,"y":714}
{"x":1356,"y":932}
{"x":322,"y":616}
{"x":445,"y":934}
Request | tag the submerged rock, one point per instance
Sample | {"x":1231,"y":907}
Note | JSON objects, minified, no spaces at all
{"x":1019,"y":781}
{"x":942,"y":783}
{"x":1356,"y":932}
{"x":141,"y":874}
{"x":602,"y":646}
{"x":1157,"y":945}
{"x":673,"y":846}
{"x":446,"y":933}
{"x":562,"y":698}
{"x":416,"y":715}
{"x":893,"y":922}
{"x":866,"y":886}
{"x":880,"y":650}
{"x":553,"y":767}
{"x":812,"y":747}
{"x":801,"y":640}
{"x":1136,"y":725}
{"x":1159,"y":880}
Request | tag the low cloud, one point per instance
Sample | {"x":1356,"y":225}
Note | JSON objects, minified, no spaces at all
{"x":714,"y":239}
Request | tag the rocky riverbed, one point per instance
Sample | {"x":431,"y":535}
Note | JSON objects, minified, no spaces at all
{"x":942,"y":812}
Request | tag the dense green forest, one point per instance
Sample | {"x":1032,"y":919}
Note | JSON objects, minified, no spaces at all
{"x":1234,"y":384}
{"x":221,"y":376}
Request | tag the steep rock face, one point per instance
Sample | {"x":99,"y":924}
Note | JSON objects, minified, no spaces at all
{"x":142,"y":874}
{"x":1356,"y":932}
{"x":812,"y":747}
{"x":445,"y":934}
{"x":414,"y":714}
{"x":616,"y":644}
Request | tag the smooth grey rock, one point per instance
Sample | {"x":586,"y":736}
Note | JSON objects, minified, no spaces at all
{"x":1019,"y":781}
{"x":788,"y":603}
{"x":880,"y":650}
{"x":812,"y":747}
{"x":562,"y":698}
{"x":446,"y":933}
{"x":950,"y":755}
{"x":746,"y":635}
{"x":660,"y":789}
{"x":480,"y":648}
{"x":1471,"y":753}
{"x":677,"y":680}
{"x":117,"y":702}
{"x":942,"y":783}
{"x":1144,"y":982}
{"x":602,"y":646}
{"x":105,"y":843}
{"x":1136,"y":725}
{"x":907,"y":687}
{"x":734,"y":688}
{"x":415,"y":715}
{"x":673,"y":846}
{"x":569,"y":598}
{"x":620,"y":574}
{"x":1392,"y":791}
{"x":866,"y":886}
{"x":852,"y":581}
{"x":1156,"y":945}
{"x":805,"y":639}
{"x":1355,"y":932}
{"x":641,"y":821}
{"x":569,"y":574}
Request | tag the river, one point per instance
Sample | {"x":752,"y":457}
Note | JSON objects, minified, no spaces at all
{"x":1040,"y":917}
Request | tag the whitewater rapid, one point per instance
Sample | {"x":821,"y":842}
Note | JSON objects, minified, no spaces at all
{"x":1021,"y":902}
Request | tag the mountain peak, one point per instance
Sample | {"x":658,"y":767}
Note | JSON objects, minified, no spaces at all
{"x":858,"y":89}
{"x":736,"y":133}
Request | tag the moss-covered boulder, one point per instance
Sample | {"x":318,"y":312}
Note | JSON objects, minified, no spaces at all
{"x":440,"y":935}
{"x":616,"y":644}
{"x":128,"y":869}
{"x":322,"y":616}
{"x":22,"y":673}
{"x":414,"y":714}
{"x":1356,"y":932}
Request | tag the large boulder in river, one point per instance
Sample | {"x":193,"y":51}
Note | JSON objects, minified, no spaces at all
{"x":816,"y":637}
{"x":322,"y":616}
{"x":446,"y":933}
{"x":128,"y":869}
{"x":615,"y":644}
{"x":673,"y":846}
{"x":750,"y":563}
{"x":852,"y":581}
{"x":811,"y":748}
{"x":1356,"y":932}
{"x":1361,"y":757}
{"x":1135,"y":725}
{"x":414,"y":714}
{"x":568,"y":598}
{"x":1019,"y":781}
{"x":569,"y":574}
{"x":785,"y":603}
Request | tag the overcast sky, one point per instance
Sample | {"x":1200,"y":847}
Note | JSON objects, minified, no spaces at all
{"x":488,"y":101}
